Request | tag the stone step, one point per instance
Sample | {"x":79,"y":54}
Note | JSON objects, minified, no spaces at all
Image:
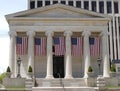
{"x":29,"y":83}
{"x":60,"y":82}
{"x":63,"y":89}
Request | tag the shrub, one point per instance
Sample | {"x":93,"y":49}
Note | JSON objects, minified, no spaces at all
{"x":90,"y":69}
{"x":112,"y":69}
{"x":2,"y":76}
{"x":8,"y":69}
{"x":30,"y":69}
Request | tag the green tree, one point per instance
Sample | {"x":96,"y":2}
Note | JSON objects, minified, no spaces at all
{"x":30,"y":69}
{"x":90,"y":69}
{"x":113,"y":69}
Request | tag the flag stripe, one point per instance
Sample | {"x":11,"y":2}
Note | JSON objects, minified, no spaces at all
{"x":77,"y":49}
{"x":21,"y":45}
{"x":59,"y":46}
{"x":95,"y":48}
{"x":40,"y":49}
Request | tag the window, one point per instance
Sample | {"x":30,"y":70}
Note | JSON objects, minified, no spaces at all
{"x":93,"y":5}
{"x":32,"y":4}
{"x":116,"y":7}
{"x":101,"y":7}
{"x":70,"y":3}
{"x":54,"y":2}
{"x":86,"y":5}
{"x":47,"y":2}
{"x":109,"y":9}
{"x":39,"y":3}
{"x":78,"y":4}
{"x":62,"y":2}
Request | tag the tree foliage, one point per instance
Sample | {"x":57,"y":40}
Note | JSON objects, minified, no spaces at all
{"x":113,"y":69}
{"x":2,"y":76}
{"x":30,"y":69}
{"x":90,"y":69}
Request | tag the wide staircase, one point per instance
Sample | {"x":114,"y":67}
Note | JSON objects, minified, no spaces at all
{"x":59,"y":84}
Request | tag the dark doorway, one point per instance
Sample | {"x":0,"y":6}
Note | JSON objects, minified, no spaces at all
{"x":58,"y":66}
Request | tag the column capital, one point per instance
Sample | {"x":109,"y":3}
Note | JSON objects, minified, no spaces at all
{"x":104,"y":33}
{"x":49,"y":33}
{"x":30,"y":33}
{"x":12,"y":33}
{"x":86,"y":33}
{"x":67,"y":33}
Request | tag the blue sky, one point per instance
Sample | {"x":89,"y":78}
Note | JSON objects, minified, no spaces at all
{"x":7,"y":7}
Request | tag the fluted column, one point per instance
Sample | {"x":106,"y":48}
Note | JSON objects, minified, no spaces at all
{"x":105,"y":58}
{"x":86,"y":35}
{"x":31,"y":35}
{"x":68,"y":70}
{"x":49,"y":73}
{"x":12,"y":60}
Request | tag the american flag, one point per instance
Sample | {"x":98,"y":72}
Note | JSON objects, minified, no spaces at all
{"x":94,"y":46}
{"x":21,"y":45}
{"x":40,"y":46}
{"x":76,"y":48}
{"x":59,"y":46}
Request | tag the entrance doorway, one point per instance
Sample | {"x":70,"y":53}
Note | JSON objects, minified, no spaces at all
{"x":58,"y":66}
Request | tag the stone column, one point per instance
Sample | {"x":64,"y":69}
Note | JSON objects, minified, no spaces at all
{"x":49,"y":74}
{"x":90,"y":6}
{"x":86,"y":35}
{"x":111,"y":42}
{"x":97,"y":5}
{"x":113,"y":12}
{"x":118,"y":36}
{"x":31,"y":35}
{"x":105,"y":58}
{"x":66,"y":2}
{"x":12,"y":53}
{"x":82,"y":4}
{"x":114,"y":38}
{"x":68,"y":69}
{"x":119,"y":6}
{"x":105,"y":7}
{"x":28,"y":4}
{"x":35,"y":3}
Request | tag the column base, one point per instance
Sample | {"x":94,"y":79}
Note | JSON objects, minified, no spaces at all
{"x":106,"y":76}
{"x":68,"y":77}
{"x":86,"y":76}
{"x":49,"y":77}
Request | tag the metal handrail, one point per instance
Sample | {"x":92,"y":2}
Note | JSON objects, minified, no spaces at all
{"x":61,"y":83}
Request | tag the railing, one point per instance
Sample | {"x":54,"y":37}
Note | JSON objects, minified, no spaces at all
{"x":61,"y":82}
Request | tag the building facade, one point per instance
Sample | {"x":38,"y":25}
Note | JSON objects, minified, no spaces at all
{"x":63,"y":38}
{"x":109,"y":7}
